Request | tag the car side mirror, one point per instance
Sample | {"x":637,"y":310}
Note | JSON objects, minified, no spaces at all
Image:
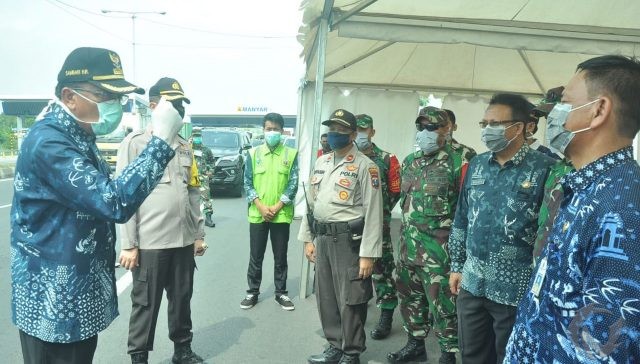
{"x":246,"y":146}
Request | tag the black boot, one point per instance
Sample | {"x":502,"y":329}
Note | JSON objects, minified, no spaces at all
{"x":350,"y":359}
{"x":413,"y":351}
{"x":208,"y":221}
{"x":447,"y":358}
{"x":140,"y":358}
{"x":183,"y":355}
{"x":330,"y":355}
{"x":383,"y":328}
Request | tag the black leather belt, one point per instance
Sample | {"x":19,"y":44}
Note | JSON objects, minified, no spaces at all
{"x":331,"y":228}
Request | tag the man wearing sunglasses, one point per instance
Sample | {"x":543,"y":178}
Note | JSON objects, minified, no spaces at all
{"x":495,"y":225}
{"x":65,"y":205}
{"x":430,"y":181}
{"x":160,"y":241}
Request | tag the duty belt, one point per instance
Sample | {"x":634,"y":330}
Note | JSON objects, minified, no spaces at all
{"x":331,"y":228}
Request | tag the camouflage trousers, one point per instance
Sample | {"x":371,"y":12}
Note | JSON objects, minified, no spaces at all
{"x":205,"y":196}
{"x":424,"y":291}
{"x":383,"y":279}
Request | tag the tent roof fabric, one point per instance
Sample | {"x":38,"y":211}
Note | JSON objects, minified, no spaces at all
{"x":467,"y":46}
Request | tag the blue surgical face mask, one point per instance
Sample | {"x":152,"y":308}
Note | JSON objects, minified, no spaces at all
{"x":362,"y":140}
{"x":110,"y":115}
{"x":557,"y":135}
{"x":494,"y":137}
{"x":197,"y":140}
{"x":338,"y":140}
{"x":272,"y":138}
{"x":427,"y":141}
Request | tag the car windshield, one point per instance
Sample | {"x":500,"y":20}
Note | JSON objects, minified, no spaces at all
{"x":220,"y":139}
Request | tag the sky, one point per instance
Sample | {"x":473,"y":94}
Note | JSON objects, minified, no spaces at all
{"x":225,"y":54}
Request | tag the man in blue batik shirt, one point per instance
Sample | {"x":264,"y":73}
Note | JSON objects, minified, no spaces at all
{"x":491,"y":241}
{"x":65,"y":205}
{"x":583,"y":301}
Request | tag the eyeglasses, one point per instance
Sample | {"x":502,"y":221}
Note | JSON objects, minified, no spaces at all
{"x":106,"y":97}
{"x":496,"y":123}
{"x":429,"y":127}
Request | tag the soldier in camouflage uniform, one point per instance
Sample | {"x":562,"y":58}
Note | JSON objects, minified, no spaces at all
{"x":465,"y":151}
{"x":205,"y":161}
{"x":431,"y":179}
{"x":387,"y":299}
{"x":553,"y":191}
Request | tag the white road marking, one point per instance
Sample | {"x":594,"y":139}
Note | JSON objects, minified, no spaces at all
{"x":6,"y":179}
{"x":3,"y":206}
{"x":124,"y":282}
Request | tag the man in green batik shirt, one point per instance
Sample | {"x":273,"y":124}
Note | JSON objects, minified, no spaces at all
{"x":431,"y":179}
{"x":387,"y":299}
{"x":206,"y":164}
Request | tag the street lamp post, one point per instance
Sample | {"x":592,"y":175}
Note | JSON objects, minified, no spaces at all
{"x":134,"y":15}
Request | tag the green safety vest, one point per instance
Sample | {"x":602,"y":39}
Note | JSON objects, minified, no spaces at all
{"x":271,"y":172}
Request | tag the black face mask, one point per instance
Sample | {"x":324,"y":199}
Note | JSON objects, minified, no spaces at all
{"x":177,"y":104}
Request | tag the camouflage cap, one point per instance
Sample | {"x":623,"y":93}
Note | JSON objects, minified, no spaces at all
{"x":364,"y":121}
{"x":432,"y":115}
{"x":551,"y":98}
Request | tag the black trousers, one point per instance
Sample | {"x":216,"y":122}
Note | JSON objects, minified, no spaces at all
{"x":484,"y":328}
{"x":36,"y":351}
{"x":160,"y":270}
{"x":341,"y":295}
{"x":258,"y":234}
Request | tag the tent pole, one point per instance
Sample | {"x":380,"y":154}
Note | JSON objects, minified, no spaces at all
{"x":323,"y":30}
{"x":533,"y":74}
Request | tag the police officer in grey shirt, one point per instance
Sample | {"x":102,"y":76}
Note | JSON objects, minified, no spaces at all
{"x":343,"y":238}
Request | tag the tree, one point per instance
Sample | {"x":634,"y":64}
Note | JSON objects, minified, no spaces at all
{"x":8,"y":135}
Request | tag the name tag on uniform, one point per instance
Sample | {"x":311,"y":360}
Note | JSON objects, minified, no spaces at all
{"x":477,"y":181}
{"x":537,"y":282}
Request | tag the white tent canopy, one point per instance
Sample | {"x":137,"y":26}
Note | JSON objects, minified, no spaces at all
{"x":462,"y":50}
{"x":524,"y":46}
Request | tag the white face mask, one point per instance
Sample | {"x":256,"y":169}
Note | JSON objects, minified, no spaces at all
{"x":427,"y":141}
{"x":362,"y":140}
{"x":494,"y":137}
{"x":557,"y":135}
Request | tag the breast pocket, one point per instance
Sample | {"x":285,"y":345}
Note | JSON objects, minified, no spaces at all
{"x":166,"y":177}
{"x":436,"y":192}
{"x":186,"y":165}
{"x":315,"y":185}
{"x":344,"y":189}
{"x":524,"y":197}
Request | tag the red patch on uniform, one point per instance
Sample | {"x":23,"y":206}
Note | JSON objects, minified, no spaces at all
{"x":344,"y":195}
{"x":375,"y":178}
{"x":344,"y":182}
{"x":351,"y":168}
{"x":349,"y":158}
{"x":394,"y":174}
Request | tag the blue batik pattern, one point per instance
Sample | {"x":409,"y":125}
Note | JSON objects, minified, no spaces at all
{"x":588,"y":307}
{"x":62,"y":227}
{"x":495,"y":225}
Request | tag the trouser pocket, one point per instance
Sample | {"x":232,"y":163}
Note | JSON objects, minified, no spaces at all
{"x":358,"y":290}
{"x":140,"y":289}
